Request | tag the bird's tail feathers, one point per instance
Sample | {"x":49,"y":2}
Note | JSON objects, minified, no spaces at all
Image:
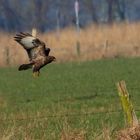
{"x":25,"y":66}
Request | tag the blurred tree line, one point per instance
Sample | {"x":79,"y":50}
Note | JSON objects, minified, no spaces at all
{"x":18,"y":15}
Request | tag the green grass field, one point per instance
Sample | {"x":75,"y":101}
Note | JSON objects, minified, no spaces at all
{"x":68,"y":100}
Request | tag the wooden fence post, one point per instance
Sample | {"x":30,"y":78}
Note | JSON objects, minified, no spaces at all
{"x":129,"y":113}
{"x":7,"y":56}
{"x":76,"y":6}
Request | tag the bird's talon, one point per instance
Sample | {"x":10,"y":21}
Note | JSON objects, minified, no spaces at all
{"x":35,"y":74}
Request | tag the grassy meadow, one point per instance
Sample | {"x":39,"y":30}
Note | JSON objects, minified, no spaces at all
{"x":73,"y":100}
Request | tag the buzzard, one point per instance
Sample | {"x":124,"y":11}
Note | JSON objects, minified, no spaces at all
{"x":37,"y":52}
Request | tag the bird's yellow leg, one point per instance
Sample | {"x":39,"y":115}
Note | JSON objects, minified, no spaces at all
{"x":36,"y":74}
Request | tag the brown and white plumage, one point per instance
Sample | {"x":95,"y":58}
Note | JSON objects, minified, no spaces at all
{"x":37,"y":52}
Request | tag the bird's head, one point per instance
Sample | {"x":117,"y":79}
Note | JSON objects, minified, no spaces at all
{"x":52,"y":58}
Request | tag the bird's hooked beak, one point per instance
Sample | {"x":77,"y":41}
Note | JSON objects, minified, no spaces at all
{"x":54,"y":59}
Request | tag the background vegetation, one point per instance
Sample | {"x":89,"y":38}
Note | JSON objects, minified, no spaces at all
{"x":96,"y":42}
{"x":19,"y":15}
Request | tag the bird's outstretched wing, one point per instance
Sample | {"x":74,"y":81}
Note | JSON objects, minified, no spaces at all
{"x":34,"y":47}
{"x":27,"y":40}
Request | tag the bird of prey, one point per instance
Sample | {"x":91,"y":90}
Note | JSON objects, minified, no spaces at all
{"x":37,"y":52}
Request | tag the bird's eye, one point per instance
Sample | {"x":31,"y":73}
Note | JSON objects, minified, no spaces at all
{"x":34,"y":43}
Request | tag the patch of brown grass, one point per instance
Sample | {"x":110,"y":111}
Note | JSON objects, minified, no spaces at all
{"x":3,"y":102}
{"x":132,"y":133}
{"x":96,"y":42}
{"x":71,"y":134}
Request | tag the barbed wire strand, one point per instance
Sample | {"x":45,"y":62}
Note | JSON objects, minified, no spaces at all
{"x":63,"y":115}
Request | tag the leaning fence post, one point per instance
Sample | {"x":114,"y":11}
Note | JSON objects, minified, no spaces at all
{"x":129,"y":112}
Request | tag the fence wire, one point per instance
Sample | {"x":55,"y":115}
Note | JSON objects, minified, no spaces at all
{"x":98,"y":92}
{"x":63,"y":115}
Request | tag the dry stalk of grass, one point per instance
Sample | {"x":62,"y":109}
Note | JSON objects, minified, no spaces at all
{"x":3,"y":102}
{"x":73,"y":135}
{"x":132,"y":133}
{"x":8,"y":134}
{"x":68,"y":133}
{"x":107,"y":133}
{"x":96,"y":42}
